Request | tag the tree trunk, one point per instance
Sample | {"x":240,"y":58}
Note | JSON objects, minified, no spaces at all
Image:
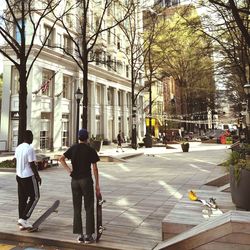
{"x":85,"y":96}
{"x":22,"y":104}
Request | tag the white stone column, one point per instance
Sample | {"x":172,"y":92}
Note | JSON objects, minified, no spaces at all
{"x":104,"y":103}
{"x":5,"y":112}
{"x":57,"y":126}
{"x":115,"y":113}
{"x":125,"y":114}
{"x":92,"y":109}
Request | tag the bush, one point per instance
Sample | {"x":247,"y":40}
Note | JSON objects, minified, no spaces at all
{"x":7,"y":164}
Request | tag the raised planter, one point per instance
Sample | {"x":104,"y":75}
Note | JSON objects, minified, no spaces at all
{"x":185,"y":147}
{"x":240,"y":188}
{"x":96,"y":144}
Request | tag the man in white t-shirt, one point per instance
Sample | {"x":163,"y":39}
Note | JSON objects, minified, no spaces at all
{"x":28,"y":178}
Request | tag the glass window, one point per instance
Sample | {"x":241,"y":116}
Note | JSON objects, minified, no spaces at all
{"x":65,"y":130}
{"x":48,"y":34}
{"x":67,"y":44}
{"x":45,"y":130}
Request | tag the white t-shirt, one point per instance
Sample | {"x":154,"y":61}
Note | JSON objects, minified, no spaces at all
{"x":24,"y":154}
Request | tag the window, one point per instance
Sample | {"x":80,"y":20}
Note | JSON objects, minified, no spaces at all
{"x":59,"y":37}
{"x":67,"y":82}
{"x":14,"y":81}
{"x":48,"y":34}
{"x":98,"y":55}
{"x":140,"y":78}
{"x":114,"y":63}
{"x":109,"y":37}
{"x":67,"y":44}
{"x":127,"y":71}
{"x":65,"y":130}
{"x":118,"y":42}
{"x":44,"y":131}
{"x":109,"y":62}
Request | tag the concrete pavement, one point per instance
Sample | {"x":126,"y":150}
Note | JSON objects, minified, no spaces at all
{"x":139,"y":193}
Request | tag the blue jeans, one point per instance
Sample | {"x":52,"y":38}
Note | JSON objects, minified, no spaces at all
{"x":83,"y":188}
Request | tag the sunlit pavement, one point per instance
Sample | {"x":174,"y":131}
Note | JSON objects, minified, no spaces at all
{"x":139,"y":193}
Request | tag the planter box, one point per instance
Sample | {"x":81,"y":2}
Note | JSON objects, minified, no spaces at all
{"x":185,"y":147}
{"x":96,"y":144}
{"x":240,"y":191}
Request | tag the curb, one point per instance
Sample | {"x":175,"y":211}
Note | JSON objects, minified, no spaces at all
{"x":51,"y":242}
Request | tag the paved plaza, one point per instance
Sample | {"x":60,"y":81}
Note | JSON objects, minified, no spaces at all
{"x":139,"y":192}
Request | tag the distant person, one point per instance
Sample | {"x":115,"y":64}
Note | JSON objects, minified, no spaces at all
{"x":120,"y":140}
{"x":28,"y":178}
{"x":82,"y":156}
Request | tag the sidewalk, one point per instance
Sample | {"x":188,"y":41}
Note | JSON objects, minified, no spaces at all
{"x":139,"y":193}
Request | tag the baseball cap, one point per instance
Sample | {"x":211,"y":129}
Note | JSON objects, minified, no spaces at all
{"x":83,"y":134}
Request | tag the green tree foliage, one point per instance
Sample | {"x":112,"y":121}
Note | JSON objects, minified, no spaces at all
{"x":186,"y":55}
{"x":227,"y":23}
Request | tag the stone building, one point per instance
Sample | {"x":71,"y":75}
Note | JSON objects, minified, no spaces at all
{"x":53,"y":81}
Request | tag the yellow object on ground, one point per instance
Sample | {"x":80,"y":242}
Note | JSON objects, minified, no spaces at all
{"x":192,"y":196}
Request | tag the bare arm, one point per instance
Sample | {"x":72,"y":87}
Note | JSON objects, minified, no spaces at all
{"x":35,"y":171}
{"x":64,"y":164}
{"x":96,"y":175}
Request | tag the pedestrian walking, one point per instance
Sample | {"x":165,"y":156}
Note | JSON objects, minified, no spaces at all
{"x":28,"y":178}
{"x":82,"y":156}
{"x":120,"y":140}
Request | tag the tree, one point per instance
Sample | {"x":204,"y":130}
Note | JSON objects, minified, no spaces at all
{"x":23,"y":19}
{"x":239,"y":12}
{"x":187,"y":55}
{"x":154,"y":25}
{"x":93,"y":20}
{"x":135,"y":53}
{"x":227,"y":24}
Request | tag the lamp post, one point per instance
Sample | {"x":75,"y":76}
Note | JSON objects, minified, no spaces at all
{"x":78,"y":97}
{"x":247,"y":92}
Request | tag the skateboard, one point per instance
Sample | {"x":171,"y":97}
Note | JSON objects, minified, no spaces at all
{"x":99,"y":227}
{"x":44,"y":216}
{"x":211,"y":205}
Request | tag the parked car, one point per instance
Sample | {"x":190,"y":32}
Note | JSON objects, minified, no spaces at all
{"x":213,"y":134}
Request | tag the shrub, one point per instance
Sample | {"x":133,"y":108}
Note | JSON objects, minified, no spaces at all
{"x":7,"y":164}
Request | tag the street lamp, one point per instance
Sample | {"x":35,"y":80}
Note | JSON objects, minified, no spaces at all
{"x":78,"y":97}
{"x":247,"y":92}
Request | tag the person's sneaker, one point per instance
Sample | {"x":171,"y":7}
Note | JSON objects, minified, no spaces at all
{"x":24,"y":223}
{"x":80,"y":239}
{"x":21,"y":228}
{"x":89,"y":239}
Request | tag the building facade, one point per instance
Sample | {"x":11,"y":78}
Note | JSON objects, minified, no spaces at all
{"x":53,"y":80}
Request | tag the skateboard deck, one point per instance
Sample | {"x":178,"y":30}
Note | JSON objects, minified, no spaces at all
{"x":211,"y":206}
{"x":99,"y":227}
{"x":44,"y":216}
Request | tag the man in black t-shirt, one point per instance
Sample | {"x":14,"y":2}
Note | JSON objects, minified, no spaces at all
{"x":82,"y":156}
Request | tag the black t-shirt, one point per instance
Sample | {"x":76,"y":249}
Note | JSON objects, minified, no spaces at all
{"x":81,"y":155}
